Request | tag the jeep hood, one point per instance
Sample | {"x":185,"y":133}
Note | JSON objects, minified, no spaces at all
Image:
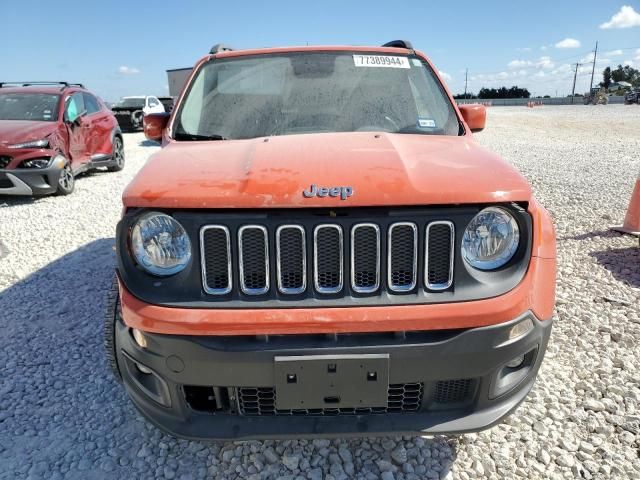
{"x":20,"y":131}
{"x":382,"y":169}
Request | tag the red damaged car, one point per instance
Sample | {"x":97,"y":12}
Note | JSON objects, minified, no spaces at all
{"x":49,"y":133}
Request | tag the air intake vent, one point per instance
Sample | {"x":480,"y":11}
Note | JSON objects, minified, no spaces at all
{"x":4,"y":161}
{"x":365,"y":258}
{"x":328,"y":258}
{"x":292,"y":259}
{"x":215,"y":251}
{"x":439,"y":255}
{"x":253,"y":246}
{"x":453,"y":391}
{"x":402,"y":397}
{"x":403,"y":256}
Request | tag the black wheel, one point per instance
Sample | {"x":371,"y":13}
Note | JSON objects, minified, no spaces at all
{"x":67,"y":181}
{"x":112,"y":315}
{"x":117,"y":156}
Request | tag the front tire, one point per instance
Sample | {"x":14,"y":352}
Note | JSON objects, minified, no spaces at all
{"x":117,"y":155}
{"x":67,"y":181}
{"x":112,"y":315}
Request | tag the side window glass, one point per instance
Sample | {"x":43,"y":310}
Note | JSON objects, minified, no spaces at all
{"x":74,"y":106}
{"x":90,"y":104}
{"x":153,"y":102}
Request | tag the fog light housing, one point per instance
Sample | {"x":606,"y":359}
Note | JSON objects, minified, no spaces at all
{"x":140,"y":339}
{"x":516,"y":362}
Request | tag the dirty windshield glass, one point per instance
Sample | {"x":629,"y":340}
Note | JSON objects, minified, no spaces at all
{"x":41,"y":107}
{"x":284,"y":94}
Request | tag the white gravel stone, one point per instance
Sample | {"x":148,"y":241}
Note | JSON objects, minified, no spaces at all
{"x":62,"y":416}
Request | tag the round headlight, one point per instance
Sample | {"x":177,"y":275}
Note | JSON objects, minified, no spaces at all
{"x":491,"y":239}
{"x":160,"y":245}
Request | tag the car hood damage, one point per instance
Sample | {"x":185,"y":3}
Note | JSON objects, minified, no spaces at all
{"x":21,"y":131}
{"x":381,"y":169}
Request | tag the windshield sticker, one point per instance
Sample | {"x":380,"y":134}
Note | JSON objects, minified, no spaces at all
{"x":384,"y":61}
{"x":416,"y":62}
{"x":426,"y":122}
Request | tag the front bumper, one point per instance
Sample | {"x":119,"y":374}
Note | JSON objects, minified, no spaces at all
{"x":30,"y":181}
{"x":448,"y":381}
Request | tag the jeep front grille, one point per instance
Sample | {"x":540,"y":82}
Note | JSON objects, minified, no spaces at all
{"x":259,"y":259}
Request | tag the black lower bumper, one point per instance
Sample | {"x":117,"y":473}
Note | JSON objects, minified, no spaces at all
{"x":226,"y":387}
{"x":30,"y":181}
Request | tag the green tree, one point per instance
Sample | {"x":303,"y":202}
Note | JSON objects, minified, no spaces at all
{"x":626,"y":74}
{"x":606,"y":78}
{"x":504,"y":92}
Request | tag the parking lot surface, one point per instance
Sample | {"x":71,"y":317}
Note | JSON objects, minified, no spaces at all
{"x":62,"y":415}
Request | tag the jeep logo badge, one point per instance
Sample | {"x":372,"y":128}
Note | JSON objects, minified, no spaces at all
{"x":314,"y":191}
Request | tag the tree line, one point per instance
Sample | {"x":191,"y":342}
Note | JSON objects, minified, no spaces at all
{"x":502,"y":92}
{"x":620,"y":74}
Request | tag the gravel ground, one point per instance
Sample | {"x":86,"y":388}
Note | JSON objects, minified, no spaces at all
{"x":62,"y":416}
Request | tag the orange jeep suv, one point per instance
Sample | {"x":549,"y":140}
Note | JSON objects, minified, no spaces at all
{"x":321,"y":248}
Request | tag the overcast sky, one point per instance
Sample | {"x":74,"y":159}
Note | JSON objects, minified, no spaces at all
{"x":124,"y":47}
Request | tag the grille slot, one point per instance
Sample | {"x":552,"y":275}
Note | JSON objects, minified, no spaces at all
{"x":292,"y":259}
{"x":253,"y":246}
{"x":328,"y":258}
{"x":453,"y":391}
{"x":365,"y":257}
{"x":257,"y":401}
{"x":4,"y":161}
{"x":402,"y":256}
{"x":215,"y":252}
{"x":439,"y":255}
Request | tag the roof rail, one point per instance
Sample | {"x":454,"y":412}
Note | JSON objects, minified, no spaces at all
{"x":220,"y":47}
{"x":31,"y":84}
{"x":399,"y":44}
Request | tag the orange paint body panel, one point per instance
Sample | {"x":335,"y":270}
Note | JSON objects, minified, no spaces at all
{"x":384,"y":170}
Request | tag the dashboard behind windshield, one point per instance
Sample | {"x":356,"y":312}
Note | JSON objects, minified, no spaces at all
{"x":40,"y":107}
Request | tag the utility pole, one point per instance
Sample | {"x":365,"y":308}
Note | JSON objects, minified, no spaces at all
{"x":573,"y":90}
{"x":466,"y":73}
{"x":593,"y":69}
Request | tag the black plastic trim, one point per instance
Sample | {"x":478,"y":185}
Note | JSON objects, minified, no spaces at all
{"x":185,"y":289}
{"x":231,"y":362}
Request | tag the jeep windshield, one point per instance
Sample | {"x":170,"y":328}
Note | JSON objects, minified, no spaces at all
{"x":39,"y":107}
{"x":314,"y":92}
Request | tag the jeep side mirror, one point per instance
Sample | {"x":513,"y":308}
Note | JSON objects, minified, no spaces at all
{"x":154,"y":125}
{"x":474,"y":115}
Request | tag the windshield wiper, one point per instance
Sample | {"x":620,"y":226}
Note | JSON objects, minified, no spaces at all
{"x":195,"y":137}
